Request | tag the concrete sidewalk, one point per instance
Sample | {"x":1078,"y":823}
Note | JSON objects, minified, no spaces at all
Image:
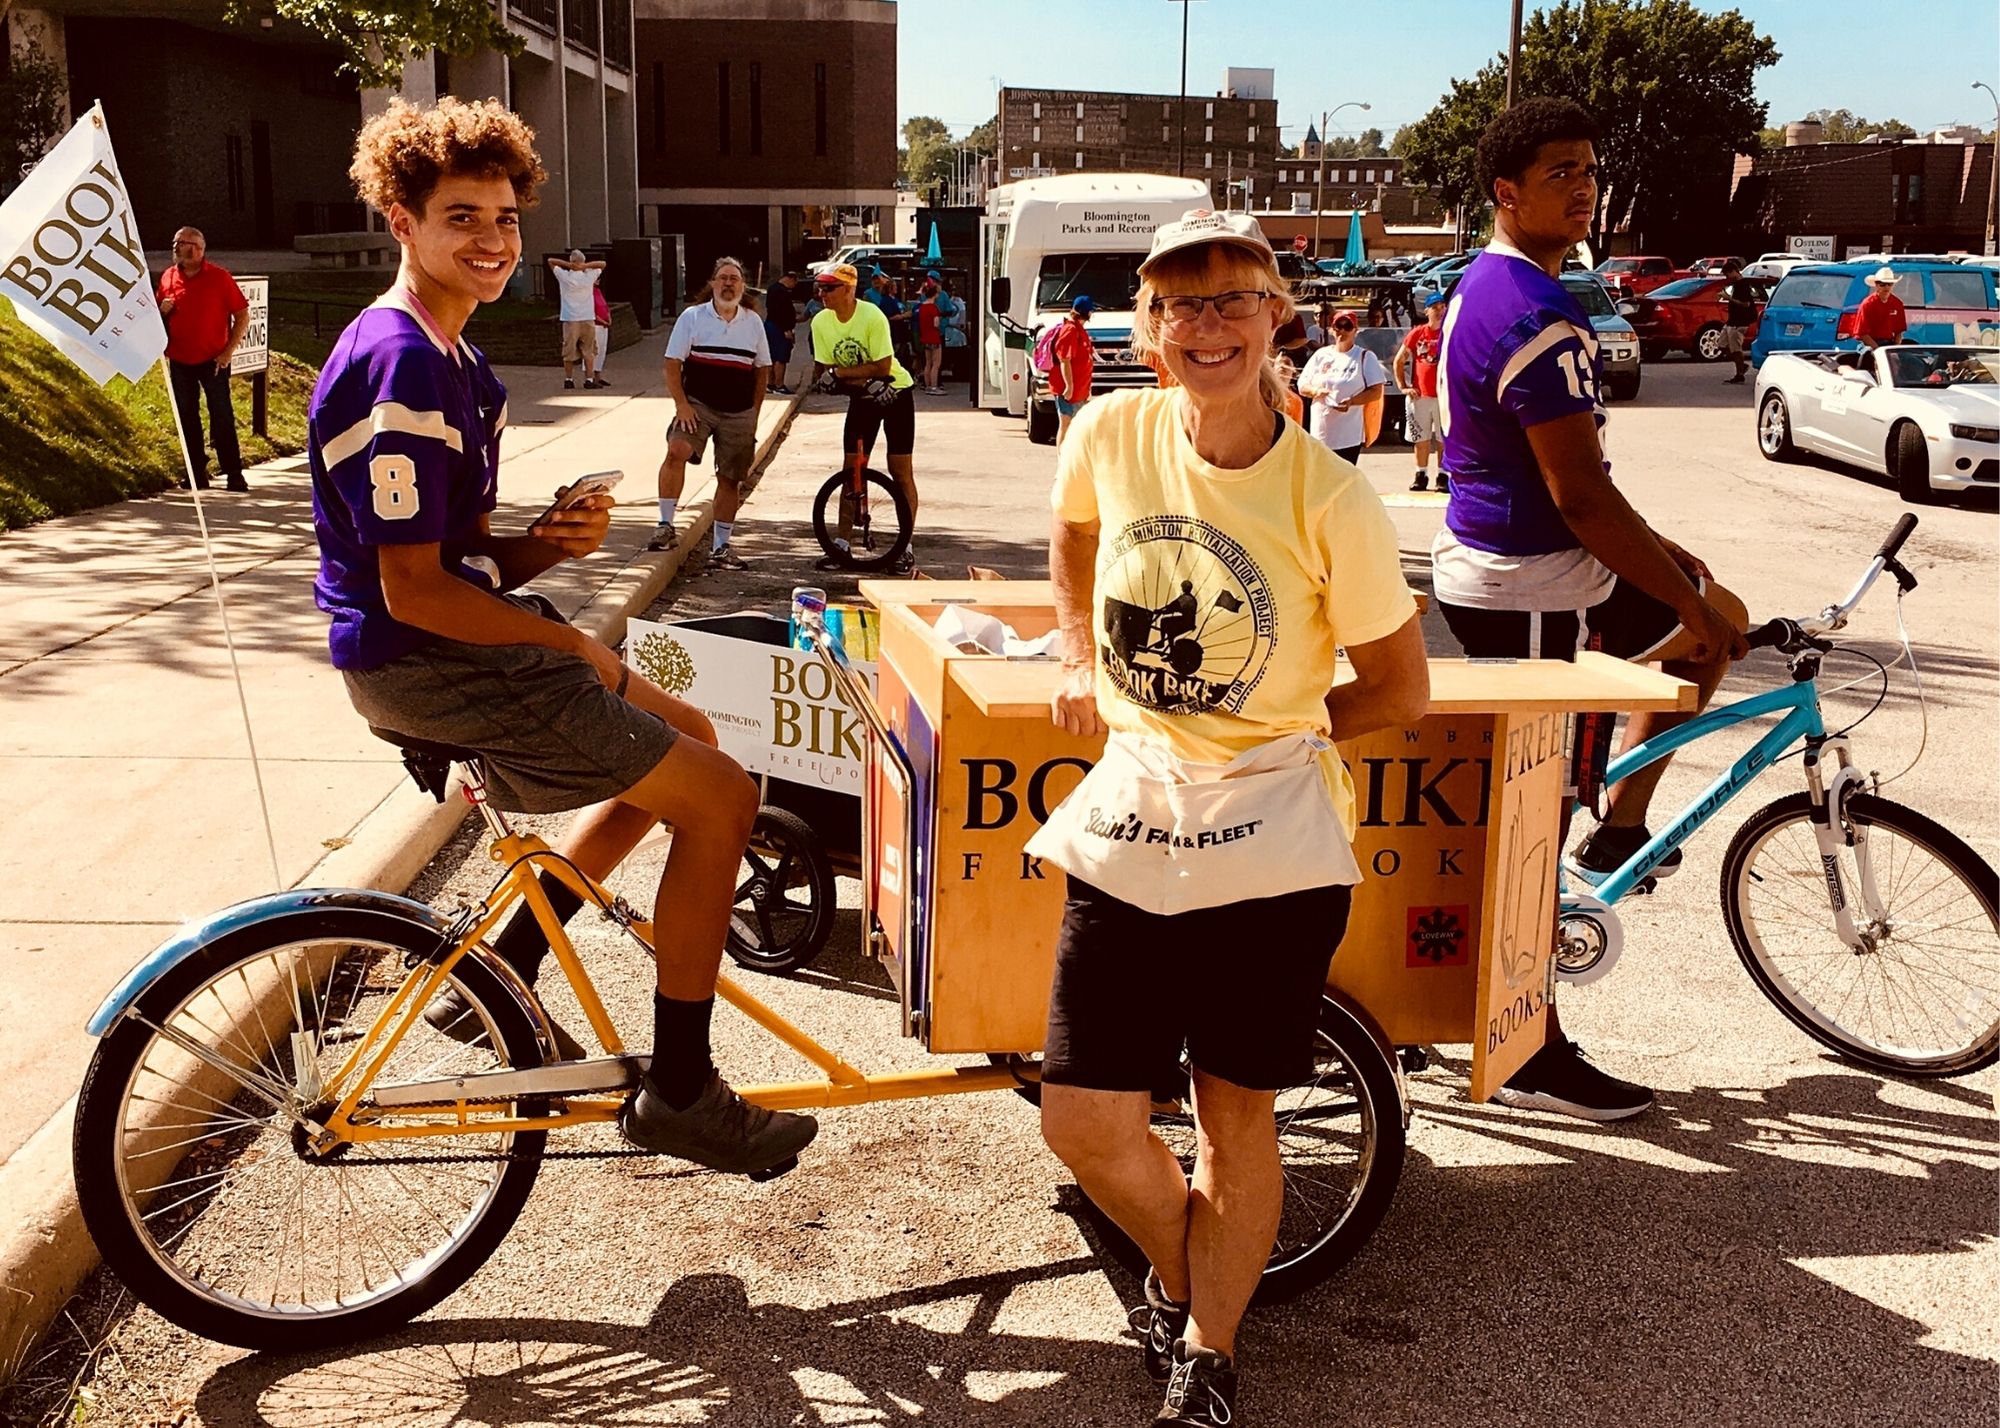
{"x":123,"y":759}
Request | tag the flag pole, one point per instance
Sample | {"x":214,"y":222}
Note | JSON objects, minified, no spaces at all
{"x":222,"y":608}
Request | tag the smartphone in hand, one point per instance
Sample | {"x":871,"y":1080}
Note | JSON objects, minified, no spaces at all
{"x":577,"y":490}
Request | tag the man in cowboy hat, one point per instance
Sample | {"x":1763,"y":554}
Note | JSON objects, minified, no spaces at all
{"x":1881,"y":321}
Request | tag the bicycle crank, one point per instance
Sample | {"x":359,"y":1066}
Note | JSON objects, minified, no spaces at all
{"x":1589,"y":938}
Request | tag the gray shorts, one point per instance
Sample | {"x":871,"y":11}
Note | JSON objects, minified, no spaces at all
{"x":553,"y":737}
{"x":1732,"y":340}
{"x":735,"y":436}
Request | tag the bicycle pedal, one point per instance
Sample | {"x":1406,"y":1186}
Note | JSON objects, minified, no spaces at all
{"x":1645,"y":885}
{"x":772,"y":1172}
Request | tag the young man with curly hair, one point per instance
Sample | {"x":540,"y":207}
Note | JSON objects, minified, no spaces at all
{"x":1540,"y":554}
{"x":404,"y":444}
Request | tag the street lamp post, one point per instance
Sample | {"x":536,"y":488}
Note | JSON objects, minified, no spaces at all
{"x":1180,"y":162}
{"x":1319,"y":162}
{"x":1992,"y":179}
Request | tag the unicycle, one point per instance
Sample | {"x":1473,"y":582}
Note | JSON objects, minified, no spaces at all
{"x":861,"y":517}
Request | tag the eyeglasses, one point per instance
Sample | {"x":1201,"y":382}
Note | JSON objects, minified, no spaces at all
{"x":1186,"y":308}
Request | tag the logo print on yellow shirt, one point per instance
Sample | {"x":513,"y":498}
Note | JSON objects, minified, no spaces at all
{"x":847,"y":352}
{"x":1188,"y":617}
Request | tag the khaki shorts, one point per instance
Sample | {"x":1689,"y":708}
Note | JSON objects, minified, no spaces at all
{"x":1732,"y":341}
{"x":579,"y":341}
{"x":735,"y":435}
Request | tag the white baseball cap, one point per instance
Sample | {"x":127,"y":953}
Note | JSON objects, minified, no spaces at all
{"x":1203,"y":225}
{"x":1884,"y":274}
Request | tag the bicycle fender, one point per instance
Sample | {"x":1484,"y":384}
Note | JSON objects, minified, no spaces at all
{"x":194,"y":936}
{"x":1365,"y":1019}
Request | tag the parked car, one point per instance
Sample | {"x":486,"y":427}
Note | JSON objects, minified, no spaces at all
{"x":1928,"y":417}
{"x":1392,"y":267}
{"x":1618,"y":347}
{"x":1814,"y":307}
{"x":1635,"y":276}
{"x":870,"y":255}
{"x":1712,"y":267}
{"x":1688,"y":316}
{"x":1772,"y":265}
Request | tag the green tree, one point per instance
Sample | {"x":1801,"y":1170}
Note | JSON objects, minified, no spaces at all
{"x":985,"y":137}
{"x":1673,"y":90}
{"x":926,"y":153}
{"x":1843,"y":126}
{"x":33,"y":97}
{"x":377,"y":38}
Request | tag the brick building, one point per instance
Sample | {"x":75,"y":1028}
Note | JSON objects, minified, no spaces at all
{"x":1373,"y":185}
{"x":1067,"y":131}
{"x":246,"y":131}
{"x":1902,"y":198}
{"x":765,"y":122}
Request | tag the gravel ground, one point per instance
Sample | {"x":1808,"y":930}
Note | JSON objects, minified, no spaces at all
{"x":1786,"y":1240}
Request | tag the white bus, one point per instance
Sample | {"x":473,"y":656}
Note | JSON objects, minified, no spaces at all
{"x":1043,"y":243}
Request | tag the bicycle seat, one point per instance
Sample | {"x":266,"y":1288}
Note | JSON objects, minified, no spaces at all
{"x":429,"y":762}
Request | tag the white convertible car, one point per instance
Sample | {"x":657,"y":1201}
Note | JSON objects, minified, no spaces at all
{"x":1927,"y":416}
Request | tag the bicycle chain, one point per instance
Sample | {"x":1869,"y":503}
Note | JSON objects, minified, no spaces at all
{"x":627,"y":1153}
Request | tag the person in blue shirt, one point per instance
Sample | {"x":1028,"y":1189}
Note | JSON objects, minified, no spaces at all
{"x":1540,"y":554}
{"x":403,"y":438}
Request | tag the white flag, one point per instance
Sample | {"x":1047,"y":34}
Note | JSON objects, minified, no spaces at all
{"x":71,"y":261}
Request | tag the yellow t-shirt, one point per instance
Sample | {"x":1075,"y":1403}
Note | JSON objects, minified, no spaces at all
{"x":863,"y":338}
{"x":1220,"y":595}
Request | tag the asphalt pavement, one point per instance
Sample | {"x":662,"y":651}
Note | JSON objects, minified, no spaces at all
{"x":1784,"y":1240}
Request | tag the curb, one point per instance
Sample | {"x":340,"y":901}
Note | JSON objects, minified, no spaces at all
{"x":45,"y":1252}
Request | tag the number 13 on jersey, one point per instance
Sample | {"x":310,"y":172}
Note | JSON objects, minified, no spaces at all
{"x":1579,"y":373}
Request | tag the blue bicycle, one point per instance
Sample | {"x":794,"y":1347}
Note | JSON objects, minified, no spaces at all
{"x":1875,"y":930}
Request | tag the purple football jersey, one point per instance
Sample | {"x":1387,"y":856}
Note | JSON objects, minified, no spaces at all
{"x":404,"y":443}
{"x":1518,"y":351}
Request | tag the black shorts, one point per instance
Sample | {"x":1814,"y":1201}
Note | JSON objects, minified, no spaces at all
{"x":1627,"y":623}
{"x":898,"y":419}
{"x":1239,"y":986}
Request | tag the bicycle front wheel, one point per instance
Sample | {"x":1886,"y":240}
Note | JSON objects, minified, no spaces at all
{"x":193,"y":1165}
{"x":874,"y":520}
{"x":1922,"y":995}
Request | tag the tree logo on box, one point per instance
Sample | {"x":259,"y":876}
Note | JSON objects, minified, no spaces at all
{"x":665,"y":660}
{"x":1436,"y":937}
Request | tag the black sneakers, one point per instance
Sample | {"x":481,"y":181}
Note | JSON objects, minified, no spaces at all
{"x":452,"y":1014}
{"x":1608,"y":849}
{"x":1444,"y":483}
{"x":1159,"y":1322}
{"x":1422,"y":481}
{"x":1560,"y":1078}
{"x":720,"y":1130}
{"x":1201,"y":1389}
{"x":724,"y":557}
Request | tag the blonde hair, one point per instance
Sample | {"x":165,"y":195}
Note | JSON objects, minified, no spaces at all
{"x":402,"y":153}
{"x":1239,"y":269}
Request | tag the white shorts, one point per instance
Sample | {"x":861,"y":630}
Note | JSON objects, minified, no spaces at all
{"x":1422,"y":421}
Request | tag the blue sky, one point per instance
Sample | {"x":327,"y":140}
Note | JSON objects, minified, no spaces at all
{"x":1915,"y":62}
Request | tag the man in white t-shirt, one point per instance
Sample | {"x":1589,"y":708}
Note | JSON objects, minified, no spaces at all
{"x":1338,"y":381}
{"x":574,"y":280}
{"x":716,"y":369}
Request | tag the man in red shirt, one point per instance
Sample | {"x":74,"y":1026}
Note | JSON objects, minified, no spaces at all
{"x":1881,"y":321}
{"x":1420,"y":351}
{"x":206,"y":315}
{"x":1075,"y":358}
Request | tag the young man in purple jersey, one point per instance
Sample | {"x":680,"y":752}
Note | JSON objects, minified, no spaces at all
{"x":1540,"y":554}
{"x":404,"y":435}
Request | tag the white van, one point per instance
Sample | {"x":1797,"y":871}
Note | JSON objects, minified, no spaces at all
{"x":1045,"y":242}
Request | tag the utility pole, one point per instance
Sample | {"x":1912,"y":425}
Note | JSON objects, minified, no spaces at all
{"x":1513,"y":52}
{"x":1319,"y":164}
{"x":1180,"y":162}
{"x":1993,"y":178}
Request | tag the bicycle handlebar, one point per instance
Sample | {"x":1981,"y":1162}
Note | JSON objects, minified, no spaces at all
{"x":1799,"y":634}
{"x":1896,"y":538}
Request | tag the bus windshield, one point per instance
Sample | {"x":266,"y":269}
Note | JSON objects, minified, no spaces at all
{"x":1109,"y":280}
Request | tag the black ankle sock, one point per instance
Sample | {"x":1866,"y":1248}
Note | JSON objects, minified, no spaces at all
{"x":522,"y":945}
{"x":681,"y":1065}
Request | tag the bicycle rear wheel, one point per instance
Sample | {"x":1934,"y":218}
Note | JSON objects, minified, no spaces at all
{"x":193,"y":1168}
{"x":1922,"y":998}
{"x":875,"y":521}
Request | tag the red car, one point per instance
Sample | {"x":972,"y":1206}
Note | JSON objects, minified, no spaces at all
{"x":1631,"y":277}
{"x":1687,"y":316}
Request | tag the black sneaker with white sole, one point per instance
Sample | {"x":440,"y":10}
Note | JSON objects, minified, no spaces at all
{"x":1159,"y":1322}
{"x":1608,"y":849}
{"x":1560,"y":1078}
{"x":720,"y":1130}
{"x":1201,"y":1389}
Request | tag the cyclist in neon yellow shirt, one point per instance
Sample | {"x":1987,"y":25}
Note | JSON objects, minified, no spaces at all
{"x":853,"y":353}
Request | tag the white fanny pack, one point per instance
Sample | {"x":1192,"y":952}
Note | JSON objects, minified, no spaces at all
{"x":1168,"y":835}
